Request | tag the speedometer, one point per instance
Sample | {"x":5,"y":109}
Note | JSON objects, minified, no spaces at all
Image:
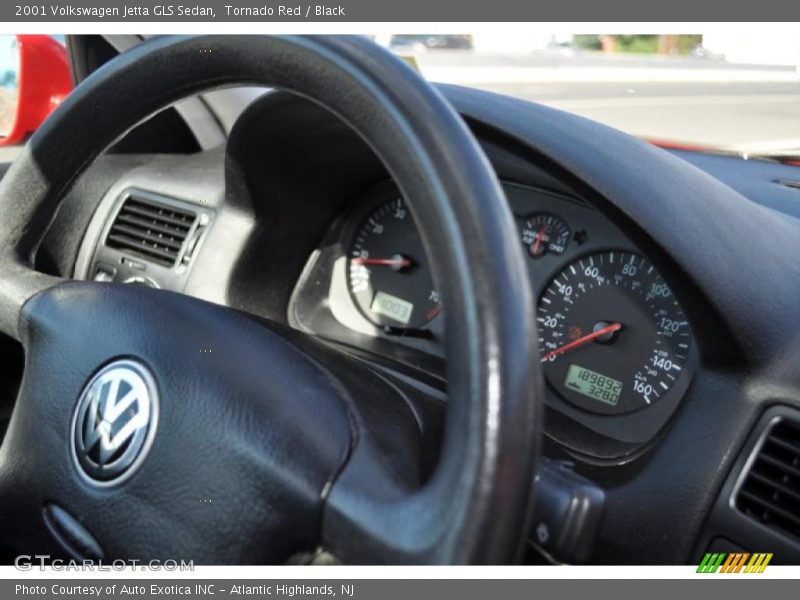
{"x":613,"y":337}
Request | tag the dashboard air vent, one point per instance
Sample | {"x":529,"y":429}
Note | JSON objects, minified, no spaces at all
{"x":795,"y":185}
{"x":153,"y":231}
{"x":770,"y":489}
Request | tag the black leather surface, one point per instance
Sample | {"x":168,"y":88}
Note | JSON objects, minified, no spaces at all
{"x":250,"y":430}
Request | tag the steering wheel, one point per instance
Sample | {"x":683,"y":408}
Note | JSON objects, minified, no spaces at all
{"x":150,"y":424}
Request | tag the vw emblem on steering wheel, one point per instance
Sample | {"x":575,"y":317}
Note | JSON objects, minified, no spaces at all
{"x":114,"y":423}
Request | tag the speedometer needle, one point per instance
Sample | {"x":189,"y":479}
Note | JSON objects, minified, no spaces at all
{"x":582,"y":340}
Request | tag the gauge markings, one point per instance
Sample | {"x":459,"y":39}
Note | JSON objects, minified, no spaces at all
{"x":611,"y":314}
{"x":388,"y":277}
{"x":545,"y":234}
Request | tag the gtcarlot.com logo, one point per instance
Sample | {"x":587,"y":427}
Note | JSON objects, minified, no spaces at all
{"x":735,"y":562}
{"x":42,"y":562}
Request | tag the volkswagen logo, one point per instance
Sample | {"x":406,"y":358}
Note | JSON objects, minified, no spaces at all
{"x":114,"y":423}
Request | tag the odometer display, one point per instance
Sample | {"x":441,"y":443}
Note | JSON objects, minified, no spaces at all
{"x":392,"y":307}
{"x":594,"y":385}
{"x":613,"y":337}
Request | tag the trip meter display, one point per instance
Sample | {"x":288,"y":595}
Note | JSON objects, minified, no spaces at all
{"x":613,"y":337}
{"x":594,"y":385}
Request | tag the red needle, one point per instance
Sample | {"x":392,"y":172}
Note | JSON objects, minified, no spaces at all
{"x":387,"y":262}
{"x":582,"y":340}
{"x":539,"y":239}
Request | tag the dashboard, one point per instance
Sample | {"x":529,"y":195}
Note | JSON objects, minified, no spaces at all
{"x":616,"y":346}
{"x":297,"y":221}
{"x":616,"y":340}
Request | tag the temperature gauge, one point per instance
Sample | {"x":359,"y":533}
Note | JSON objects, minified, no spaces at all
{"x":545,"y":233}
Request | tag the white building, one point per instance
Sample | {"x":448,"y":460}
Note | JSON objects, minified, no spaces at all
{"x":754,"y":48}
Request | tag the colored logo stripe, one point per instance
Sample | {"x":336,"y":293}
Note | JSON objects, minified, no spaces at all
{"x":711,"y":562}
{"x":734,"y":562}
{"x":758,"y":563}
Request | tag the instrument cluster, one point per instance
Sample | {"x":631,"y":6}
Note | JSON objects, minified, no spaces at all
{"x":616,"y":347}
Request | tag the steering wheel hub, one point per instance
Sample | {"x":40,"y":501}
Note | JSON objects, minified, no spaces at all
{"x":172,"y":458}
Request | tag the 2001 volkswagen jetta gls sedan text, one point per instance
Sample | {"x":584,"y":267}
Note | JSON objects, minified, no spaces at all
{"x":378,"y":320}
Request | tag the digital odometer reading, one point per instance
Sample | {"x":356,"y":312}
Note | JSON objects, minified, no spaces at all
{"x":611,"y":313}
{"x":593,"y":384}
{"x":392,"y":307}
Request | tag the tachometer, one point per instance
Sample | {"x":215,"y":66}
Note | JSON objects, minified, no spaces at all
{"x":613,"y":337}
{"x":387,"y":272}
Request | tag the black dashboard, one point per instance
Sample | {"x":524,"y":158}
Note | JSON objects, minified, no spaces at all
{"x":349,"y":266}
{"x":298,"y":221}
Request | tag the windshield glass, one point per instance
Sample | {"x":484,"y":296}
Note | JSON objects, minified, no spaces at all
{"x":736,"y":92}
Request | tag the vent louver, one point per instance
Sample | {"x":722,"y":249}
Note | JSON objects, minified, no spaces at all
{"x":795,"y":185}
{"x":153,"y":231}
{"x":770,"y":489}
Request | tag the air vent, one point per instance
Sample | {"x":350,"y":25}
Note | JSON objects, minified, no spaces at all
{"x":770,"y":489}
{"x":150,"y":230}
{"x":789,"y":183}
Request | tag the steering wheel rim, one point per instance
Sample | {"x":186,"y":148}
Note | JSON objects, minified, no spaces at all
{"x":492,"y":434}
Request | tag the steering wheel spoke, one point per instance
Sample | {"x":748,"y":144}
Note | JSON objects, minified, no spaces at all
{"x":18,"y":284}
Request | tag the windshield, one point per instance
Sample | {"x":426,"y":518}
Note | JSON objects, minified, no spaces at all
{"x":735,"y":92}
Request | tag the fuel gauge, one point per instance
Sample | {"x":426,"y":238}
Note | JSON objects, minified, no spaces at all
{"x":545,"y":233}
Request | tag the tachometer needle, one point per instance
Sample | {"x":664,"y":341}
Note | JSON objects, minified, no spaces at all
{"x":383,"y":262}
{"x":582,"y":340}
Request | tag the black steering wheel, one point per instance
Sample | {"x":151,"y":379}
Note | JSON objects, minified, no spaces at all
{"x":150,"y":424}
